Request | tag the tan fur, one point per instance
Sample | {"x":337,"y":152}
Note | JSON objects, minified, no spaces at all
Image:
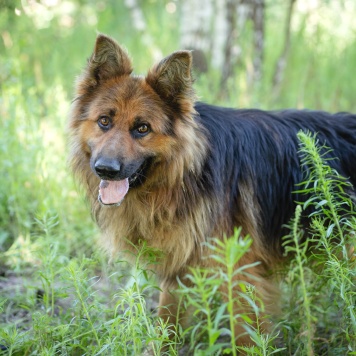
{"x":156,"y":212}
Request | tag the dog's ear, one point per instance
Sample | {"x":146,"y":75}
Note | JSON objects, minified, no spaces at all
{"x":172,"y":79}
{"x":107,"y":61}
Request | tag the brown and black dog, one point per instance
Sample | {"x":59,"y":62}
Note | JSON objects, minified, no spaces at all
{"x":160,"y":167}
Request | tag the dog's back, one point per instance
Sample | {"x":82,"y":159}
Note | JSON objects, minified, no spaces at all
{"x":257,"y":151}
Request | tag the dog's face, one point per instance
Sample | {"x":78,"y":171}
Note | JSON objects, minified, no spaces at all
{"x":125,"y":131}
{"x":126,"y":124}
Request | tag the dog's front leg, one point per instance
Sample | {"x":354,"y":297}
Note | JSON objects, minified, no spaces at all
{"x":171,"y":310}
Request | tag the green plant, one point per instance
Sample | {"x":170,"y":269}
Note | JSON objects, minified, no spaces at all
{"x":333,"y":229}
{"x":45,"y":225}
{"x":300,"y":275}
{"x":218,"y":314}
{"x":323,"y":261}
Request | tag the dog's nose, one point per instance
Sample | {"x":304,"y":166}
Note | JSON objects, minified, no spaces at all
{"x":107,"y":168}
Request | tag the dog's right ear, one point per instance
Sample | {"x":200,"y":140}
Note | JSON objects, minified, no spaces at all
{"x":108,"y":60}
{"x":172,"y":80}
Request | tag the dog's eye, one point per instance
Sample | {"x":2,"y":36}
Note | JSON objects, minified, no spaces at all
{"x":140,"y":130}
{"x":143,"y":129}
{"x":104,"y":122}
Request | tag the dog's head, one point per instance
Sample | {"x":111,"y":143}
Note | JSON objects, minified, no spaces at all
{"x":124,"y":124}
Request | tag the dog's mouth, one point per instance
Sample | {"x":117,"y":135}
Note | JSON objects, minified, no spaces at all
{"x":113,"y":192}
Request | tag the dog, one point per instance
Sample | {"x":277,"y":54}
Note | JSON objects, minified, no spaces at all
{"x":160,"y":167}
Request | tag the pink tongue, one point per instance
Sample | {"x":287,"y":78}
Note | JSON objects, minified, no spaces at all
{"x":113,"y":191}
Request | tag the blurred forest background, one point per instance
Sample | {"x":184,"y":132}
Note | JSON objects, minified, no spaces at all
{"x":267,"y":54}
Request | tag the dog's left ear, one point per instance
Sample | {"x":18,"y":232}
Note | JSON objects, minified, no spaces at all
{"x":172,"y":80}
{"x":108,"y":60}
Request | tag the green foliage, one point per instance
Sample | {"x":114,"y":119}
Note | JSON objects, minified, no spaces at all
{"x":75,"y":314}
{"x":57,"y":293}
{"x":330,"y":269}
{"x":219,"y":310}
{"x":299,"y":276}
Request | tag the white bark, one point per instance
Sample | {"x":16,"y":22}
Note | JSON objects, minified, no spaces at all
{"x":219,"y":34}
{"x":195,"y":22}
{"x":139,"y":23}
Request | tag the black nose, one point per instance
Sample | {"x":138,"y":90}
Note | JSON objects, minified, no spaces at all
{"x":107,"y":168}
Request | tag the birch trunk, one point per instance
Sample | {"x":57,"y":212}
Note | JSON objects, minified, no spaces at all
{"x":139,"y":23}
{"x":258,"y":18}
{"x":196,"y":20}
{"x":231,"y":36}
{"x":282,"y":60}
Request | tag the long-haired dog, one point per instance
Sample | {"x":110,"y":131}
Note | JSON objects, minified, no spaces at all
{"x":161,"y":168}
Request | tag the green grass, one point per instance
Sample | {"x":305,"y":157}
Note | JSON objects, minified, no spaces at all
{"x":59,"y":294}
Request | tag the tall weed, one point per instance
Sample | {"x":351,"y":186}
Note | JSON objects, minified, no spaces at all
{"x":217,"y":312}
{"x":329,"y":267}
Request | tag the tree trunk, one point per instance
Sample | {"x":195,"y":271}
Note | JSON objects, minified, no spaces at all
{"x":219,"y":34}
{"x":258,"y":18}
{"x":139,"y":23}
{"x":282,"y":60}
{"x":231,"y":21}
{"x":196,"y":20}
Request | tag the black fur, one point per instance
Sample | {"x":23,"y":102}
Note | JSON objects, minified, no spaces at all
{"x":262,"y":147}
